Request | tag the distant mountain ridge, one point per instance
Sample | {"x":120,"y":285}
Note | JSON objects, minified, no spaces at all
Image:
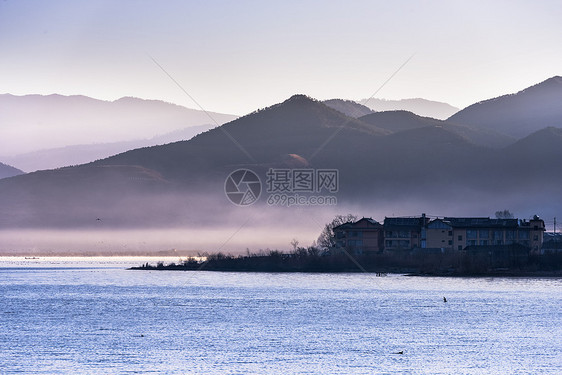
{"x":8,"y":171}
{"x":348,"y":107}
{"x":421,"y":107}
{"x":385,"y":159}
{"x":518,"y":114}
{"x":396,"y":121}
{"x":82,"y":154}
{"x":183,"y":182}
{"x":36,"y":122}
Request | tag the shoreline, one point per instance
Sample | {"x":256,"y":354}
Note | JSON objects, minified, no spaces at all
{"x":376,"y":273}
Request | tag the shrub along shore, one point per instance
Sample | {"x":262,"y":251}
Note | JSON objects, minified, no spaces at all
{"x":313,"y":260}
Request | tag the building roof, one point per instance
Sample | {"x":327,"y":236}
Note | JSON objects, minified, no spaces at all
{"x":404,"y":222}
{"x":481,"y":222}
{"x":365,"y":222}
{"x":439,"y":223}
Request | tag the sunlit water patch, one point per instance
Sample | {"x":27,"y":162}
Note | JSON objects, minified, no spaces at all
{"x":93,"y":316}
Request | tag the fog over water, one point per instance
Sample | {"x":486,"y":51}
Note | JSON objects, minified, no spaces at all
{"x":229,"y":229}
{"x":184,"y":240}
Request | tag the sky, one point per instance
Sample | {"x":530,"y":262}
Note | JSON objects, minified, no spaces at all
{"x":239,"y":56}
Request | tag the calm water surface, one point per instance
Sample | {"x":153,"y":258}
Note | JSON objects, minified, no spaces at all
{"x":91,"y":316}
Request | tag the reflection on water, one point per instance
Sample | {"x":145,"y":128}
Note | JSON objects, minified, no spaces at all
{"x":85,"y":262}
{"x":84,"y":315}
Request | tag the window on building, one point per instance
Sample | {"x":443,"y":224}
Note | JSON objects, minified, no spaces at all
{"x":509,"y":234}
{"x":535,"y":237}
{"x":450,"y":242}
{"x":404,"y":244}
{"x":404,"y":234}
{"x":483,"y":242}
{"x":451,"y":233}
{"x":484,"y":233}
{"x":470,"y":242}
{"x":459,"y":238}
{"x":460,"y":247}
{"x":523,"y":235}
{"x":498,"y":235}
{"x":499,"y":242}
{"x":471,"y":233}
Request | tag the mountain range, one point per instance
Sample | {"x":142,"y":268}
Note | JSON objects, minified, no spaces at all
{"x":348,"y":107}
{"x":421,"y":107}
{"x":47,"y":123}
{"x":8,"y":171}
{"x":81,"y":154}
{"x":387,"y":159}
{"x":517,"y":115}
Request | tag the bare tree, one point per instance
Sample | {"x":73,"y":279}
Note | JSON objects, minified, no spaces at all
{"x":505,"y":214}
{"x":294,"y":244}
{"x":326,"y":239}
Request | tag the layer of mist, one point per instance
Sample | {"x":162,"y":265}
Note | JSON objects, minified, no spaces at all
{"x":37,"y":122}
{"x":388,"y":164}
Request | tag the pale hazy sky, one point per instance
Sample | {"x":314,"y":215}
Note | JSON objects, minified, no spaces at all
{"x":237,"y":56}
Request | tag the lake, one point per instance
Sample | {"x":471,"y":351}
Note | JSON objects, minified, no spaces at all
{"x":92,"y":316}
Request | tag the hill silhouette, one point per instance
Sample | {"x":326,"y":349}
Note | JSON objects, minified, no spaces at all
{"x":348,"y":107}
{"x":38,"y":122}
{"x":538,"y":155}
{"x":414,"y":161}
{"x":8,"y":171}
{"x":396,"y":121}
{"x":81,"y":154}
{"x":421,"y":107}
{"x":299,"y":126}
{"x":519,"y":114}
